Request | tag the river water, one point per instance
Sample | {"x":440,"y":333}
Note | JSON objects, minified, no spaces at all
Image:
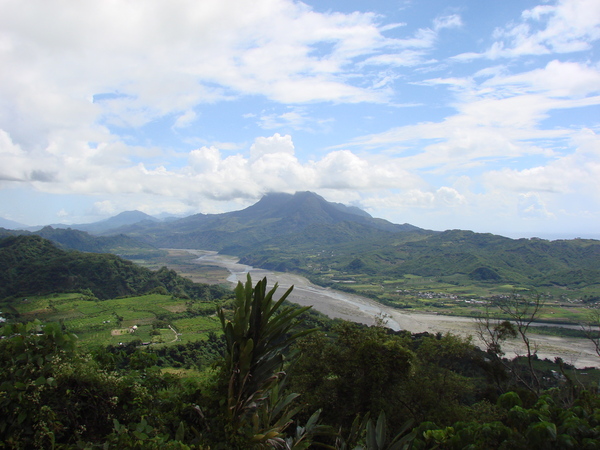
{"x":355,"y":308}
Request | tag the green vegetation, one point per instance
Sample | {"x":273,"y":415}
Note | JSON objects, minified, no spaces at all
{"x":111,"y":321}
{"x":98,"y":352}
{"x":31,"y":265}
{"x":450,"y":264}
{"x":69,"y":239}
{"x":263,"y":382}
{"x":454,"y":272}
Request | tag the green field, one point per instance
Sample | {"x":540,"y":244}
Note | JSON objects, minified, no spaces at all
{"x":148,"y":318}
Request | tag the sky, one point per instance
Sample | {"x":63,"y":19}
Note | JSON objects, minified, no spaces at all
{"x":481,"y":115}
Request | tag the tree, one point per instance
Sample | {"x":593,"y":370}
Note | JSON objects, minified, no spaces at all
{"x":592,"y":329}
{"x":358,"y":370}
{"x":521,"y":313}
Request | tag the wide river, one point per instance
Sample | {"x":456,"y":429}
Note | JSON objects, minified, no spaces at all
{"x":337,"y":304}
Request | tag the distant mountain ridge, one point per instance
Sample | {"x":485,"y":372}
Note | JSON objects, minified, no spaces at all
{"x":107,"y":225}
{"x":275,"y":215}
{"x":303,"y":232}
{"x":11,"y":224}
{"x":70,"y":239}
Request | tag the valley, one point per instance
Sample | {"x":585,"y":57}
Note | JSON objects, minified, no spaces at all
{"x":204,"y":264}
{"x":348,"y":264}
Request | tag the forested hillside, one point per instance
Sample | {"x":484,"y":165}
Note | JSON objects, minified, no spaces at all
{"x":32,"y":265}
{"x":454,"y":255}
{"x":276,"y":384}
{"x":305,"y":233}
{"x":72,"y":239}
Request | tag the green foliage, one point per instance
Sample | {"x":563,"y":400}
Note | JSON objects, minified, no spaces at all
{"x":50,"y":396}
{"x":453,"y":258}
{"x":377,"y":437}
{"x":547,"y":425}
{"x":31,"y":265}
{"x":358,"y":371}
{"x":29,"y":354}
{"x":256,"y":337}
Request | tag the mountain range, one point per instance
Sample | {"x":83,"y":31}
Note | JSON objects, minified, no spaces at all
{"x":302,"y":231}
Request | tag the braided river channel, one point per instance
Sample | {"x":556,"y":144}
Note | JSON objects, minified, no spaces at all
{"x":337,"y":304}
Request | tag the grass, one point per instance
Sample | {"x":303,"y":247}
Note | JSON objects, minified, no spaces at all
{"x":109,"y":321}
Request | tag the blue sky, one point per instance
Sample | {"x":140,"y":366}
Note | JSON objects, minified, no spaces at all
{"x":479,"y":114}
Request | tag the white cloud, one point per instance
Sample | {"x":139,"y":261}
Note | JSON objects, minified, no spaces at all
{"x":413,"y":51}
{"x":104,"y":207}
{"x":204,"y":160}
{"x":185,"y":119}
{"x":443,"y":198}
{"x":576,"y":172}
{"x":296,"y":119}
{"x":62,"y":214}
{"x":270,"y":165}
{"x":556,"y":79}
{"x":154,"y":59}
{"x":450,"y":21}
{"x":275,"y":144}
{"x":564,"y":27}
{"x":532,"y":206}
{"x":498,"y":118}
{"x":82,"y":86}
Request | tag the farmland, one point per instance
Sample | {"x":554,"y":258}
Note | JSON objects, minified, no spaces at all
{"x":154,"y":318}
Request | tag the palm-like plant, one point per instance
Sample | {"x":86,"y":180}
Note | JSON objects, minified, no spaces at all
{"x":256,"y":338}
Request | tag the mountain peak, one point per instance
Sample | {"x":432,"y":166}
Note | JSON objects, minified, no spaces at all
{"x":304,"y":208}
{"x":129,"y":217}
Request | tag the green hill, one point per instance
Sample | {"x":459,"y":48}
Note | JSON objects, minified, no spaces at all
{"x":32,"y":265}
{"x":473,"y":257}
{"x":303,"y":232}
{"x":72,"y":239}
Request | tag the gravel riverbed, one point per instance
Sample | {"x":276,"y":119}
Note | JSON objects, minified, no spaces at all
{"x":355,"y":308}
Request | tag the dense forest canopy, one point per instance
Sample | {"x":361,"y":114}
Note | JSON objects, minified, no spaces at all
{"x":32,"y":265}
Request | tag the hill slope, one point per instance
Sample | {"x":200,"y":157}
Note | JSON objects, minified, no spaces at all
{"x":71,"y":239}
{"x":32,"y":265}
{"x":473,"y":257}
{"x":304,"y":232}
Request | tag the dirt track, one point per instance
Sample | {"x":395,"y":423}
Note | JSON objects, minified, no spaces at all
{"x":336,"y":304}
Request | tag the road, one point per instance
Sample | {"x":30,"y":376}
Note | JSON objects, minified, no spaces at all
{"x":336,"y":304}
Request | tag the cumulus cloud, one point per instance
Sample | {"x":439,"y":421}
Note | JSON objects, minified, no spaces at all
{"x":272,"y":145}
{"x":146,"y":60}
{"x":270,"y":164}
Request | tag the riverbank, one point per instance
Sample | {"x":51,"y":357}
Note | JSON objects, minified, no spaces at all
{"x":336,"y":304}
